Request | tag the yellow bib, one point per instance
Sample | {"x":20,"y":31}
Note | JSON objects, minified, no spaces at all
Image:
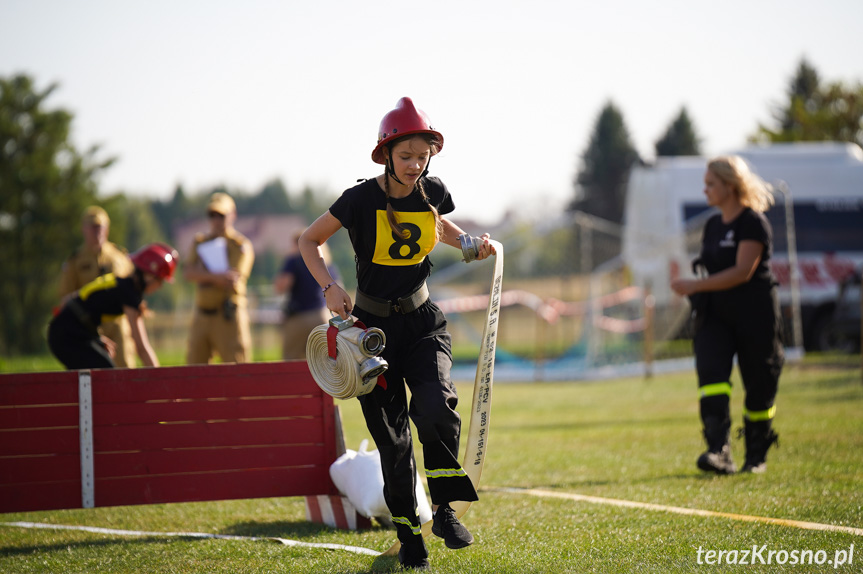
{"x":419,"y":239}
{"x":99,"y":284}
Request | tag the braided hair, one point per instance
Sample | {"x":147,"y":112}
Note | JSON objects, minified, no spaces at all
{"x":396,"y":226}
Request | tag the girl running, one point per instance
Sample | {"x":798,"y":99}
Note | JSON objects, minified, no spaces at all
{"x":394,"y":221}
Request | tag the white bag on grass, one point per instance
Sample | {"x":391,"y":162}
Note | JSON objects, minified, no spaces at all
{"x":358,"y":475}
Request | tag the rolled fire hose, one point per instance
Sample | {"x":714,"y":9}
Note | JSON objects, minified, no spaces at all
{"x":476,"y":444}
{"x":343,"y":357}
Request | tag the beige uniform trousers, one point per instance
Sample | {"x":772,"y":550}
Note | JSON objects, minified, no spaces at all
{"x":212,"y":334}
{"x":296,"y":329}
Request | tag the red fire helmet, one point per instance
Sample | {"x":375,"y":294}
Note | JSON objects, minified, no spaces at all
{"x":404,"y":120}
{"x":158,"y":259}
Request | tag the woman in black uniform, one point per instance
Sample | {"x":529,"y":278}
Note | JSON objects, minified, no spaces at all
{"x":737,"y":312}
{"x":73,"y":335}
{"x":394,"y":221}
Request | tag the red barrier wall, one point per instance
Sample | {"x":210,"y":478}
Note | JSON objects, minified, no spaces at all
{"x":171,"y":434}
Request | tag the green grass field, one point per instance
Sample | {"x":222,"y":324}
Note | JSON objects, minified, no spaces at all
{"x":626,"y":439}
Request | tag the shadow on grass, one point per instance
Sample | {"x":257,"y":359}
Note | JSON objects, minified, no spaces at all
{"x":386,"y":564}
{"x":298,"y":530}
{"x":278,"y":529}
{"x":9,"y":551}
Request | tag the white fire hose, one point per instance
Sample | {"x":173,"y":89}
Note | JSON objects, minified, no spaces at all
{"x":343,"y":357}
{"x":343,"y":360}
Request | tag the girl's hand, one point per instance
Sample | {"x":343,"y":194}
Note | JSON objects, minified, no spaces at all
{"x":109,"y":345}
{"x":486,"y":249}
{"x":338,"y":301}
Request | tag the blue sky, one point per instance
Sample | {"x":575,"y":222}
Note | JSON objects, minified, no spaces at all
{"x":237,"y":93}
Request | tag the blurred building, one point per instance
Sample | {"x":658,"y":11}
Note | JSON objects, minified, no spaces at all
{"x":273,"y":233}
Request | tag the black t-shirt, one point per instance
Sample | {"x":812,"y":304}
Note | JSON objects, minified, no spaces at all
{"x":389,"y":266}
{"x":720,"y":242}
{"x":104,"y":298}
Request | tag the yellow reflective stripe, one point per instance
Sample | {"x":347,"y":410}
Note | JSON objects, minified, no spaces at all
{"x":715,"y":389}
{"x":445,"y":472}
{"x":756,"y":416}
{"x":402,"y":520}
{"x":98,"y":284}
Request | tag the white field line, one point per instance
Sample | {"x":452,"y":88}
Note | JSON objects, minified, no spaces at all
{"x":678,"y":509}
{"x":116,"y":532}
{"x":523,"y":491}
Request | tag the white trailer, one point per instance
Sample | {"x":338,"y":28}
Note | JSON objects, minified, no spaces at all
{"x":666,"y":210}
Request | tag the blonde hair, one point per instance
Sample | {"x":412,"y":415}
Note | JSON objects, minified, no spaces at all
{"x":435,"y":145}
{"x":751,"y":190}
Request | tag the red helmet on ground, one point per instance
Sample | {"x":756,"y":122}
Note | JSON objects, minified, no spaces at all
{"x":402,"y":121}
{"x":158,"y":259}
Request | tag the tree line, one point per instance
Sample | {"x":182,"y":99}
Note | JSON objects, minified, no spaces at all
{"x":46,"y":182}
{"x":45,"y":185}
{"x":811,"y":110}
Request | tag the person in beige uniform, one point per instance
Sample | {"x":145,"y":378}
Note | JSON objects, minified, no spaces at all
{"x":220,"y":263}
{"x":97,"y":257}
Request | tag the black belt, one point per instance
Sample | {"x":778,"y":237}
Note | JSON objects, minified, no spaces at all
{"x":403,"y":305}
{"x":228,"y":310}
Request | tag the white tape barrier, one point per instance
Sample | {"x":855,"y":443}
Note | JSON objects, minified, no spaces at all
{"x":116,"y":532}
{"x":507,"y":299}
{"x":552,"y":309}
{"x":476,"y":444}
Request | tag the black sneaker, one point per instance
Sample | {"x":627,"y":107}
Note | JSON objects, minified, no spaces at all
{"x":445,"y":525}
{"x":414,"y":555}
{"x":718,"y":462}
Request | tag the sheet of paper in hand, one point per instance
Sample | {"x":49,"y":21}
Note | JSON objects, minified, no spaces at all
{"x":214,"y":254}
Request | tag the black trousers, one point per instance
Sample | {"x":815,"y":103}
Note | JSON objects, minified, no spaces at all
{"x":419,"y":353}
{"x":76,"y":346}
{"x":747,"y":326}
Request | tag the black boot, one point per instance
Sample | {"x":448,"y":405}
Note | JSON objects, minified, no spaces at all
{"x":413,"y":554}
{"x":759,"y":438}
{"x":717,"y":458}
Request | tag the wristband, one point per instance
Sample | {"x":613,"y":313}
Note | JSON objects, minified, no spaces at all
{"x":330,"y":284}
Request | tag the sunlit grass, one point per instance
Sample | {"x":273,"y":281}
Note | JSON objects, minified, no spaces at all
{"x":629,"y":439}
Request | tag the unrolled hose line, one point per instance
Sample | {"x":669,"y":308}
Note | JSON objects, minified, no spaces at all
{"x":476,"y":445}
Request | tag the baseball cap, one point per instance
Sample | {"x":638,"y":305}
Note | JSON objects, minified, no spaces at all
{"x":221,"y":203}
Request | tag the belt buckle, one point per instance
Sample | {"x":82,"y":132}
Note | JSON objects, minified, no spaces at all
{"x":397,"y":308}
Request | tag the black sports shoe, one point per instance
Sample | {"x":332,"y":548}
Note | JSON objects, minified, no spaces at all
{"x":445,"y":525}
{"x":414,"y":555}
{"x":718,"y":462}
